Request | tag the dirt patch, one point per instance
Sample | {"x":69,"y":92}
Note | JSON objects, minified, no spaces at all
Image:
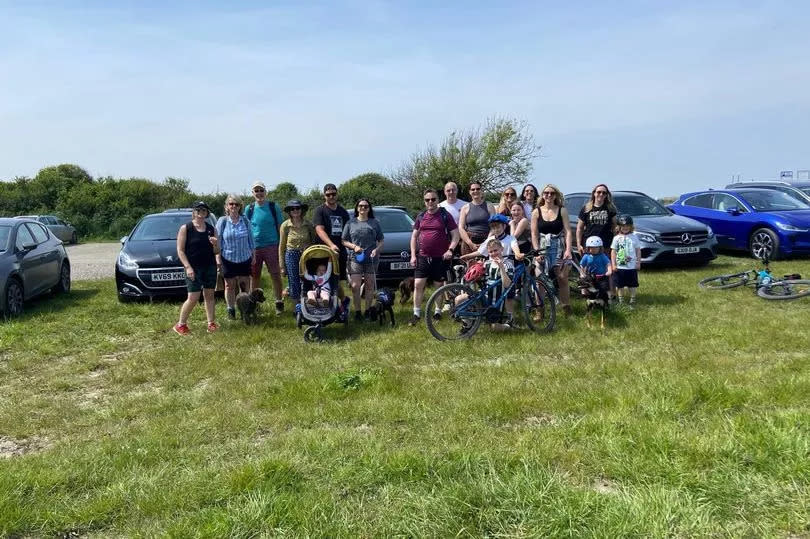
{"x":9,"y":447}
{"x":604,"y":485}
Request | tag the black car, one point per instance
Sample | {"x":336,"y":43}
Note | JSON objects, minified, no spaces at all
{"x":666,"y":239}
{"x":148,"y":265}
{"x":395,"y":259}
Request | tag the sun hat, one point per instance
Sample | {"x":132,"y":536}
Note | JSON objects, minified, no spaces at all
{"x":295,"y":203}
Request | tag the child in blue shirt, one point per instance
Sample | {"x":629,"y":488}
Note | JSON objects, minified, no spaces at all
{"x":595,"y":261}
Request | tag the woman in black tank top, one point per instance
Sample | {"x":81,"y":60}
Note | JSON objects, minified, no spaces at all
{"x":550,"y":226}
{"x":197,"y":247}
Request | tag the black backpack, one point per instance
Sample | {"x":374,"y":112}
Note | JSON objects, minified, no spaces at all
{"x":273,"y":211}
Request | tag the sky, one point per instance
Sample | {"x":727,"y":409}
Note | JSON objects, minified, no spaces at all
{"x":662,"y":97}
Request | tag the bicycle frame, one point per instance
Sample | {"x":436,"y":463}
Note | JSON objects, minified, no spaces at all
{"x":483,"y":295}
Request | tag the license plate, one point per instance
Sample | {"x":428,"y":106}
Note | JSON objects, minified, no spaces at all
{"x":686,"y":250}
{"x":400,"y":265}
{"x":173,"y":276}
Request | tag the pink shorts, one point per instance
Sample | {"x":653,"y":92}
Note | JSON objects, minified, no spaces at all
{"x":267,"y":256}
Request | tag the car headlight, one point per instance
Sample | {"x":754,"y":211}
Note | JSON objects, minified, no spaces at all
{"x":646,"y":238}
{"x":126,"y":262}
{"x":710,"y":232}
{"x":790,"y":228}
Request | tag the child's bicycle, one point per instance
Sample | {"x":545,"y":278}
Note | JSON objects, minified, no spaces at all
{"x":537,"y":304}
{"x":766,"y":286}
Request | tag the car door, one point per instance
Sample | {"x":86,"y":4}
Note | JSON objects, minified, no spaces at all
{"x":700,"y":208}
{"x":47,"y":254}
{"x":731,"y":219}
{"x":30,"y":263}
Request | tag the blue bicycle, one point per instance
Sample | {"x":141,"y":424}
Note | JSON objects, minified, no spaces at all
{"x":469,"y":307}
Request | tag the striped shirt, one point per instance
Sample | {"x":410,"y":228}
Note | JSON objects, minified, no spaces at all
{"x":235,"y":240}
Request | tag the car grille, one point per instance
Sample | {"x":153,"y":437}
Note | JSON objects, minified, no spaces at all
{"x":677,"y":238}
{"x":147,"y":277}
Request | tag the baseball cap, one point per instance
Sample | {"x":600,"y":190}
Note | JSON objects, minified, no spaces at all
{"x":258,"y":183}
{"x":329,"y":187}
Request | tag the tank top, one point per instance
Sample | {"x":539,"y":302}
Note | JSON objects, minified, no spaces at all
{"x":525,"y":240}
{"x":199,"y":251}
{"x":478,"y":220}
{"x":550,"y":227}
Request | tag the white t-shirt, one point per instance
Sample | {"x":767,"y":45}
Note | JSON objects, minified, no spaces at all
{"x":506,"y":242}
{"x":625,"y":247}
{"x":454,"y":208}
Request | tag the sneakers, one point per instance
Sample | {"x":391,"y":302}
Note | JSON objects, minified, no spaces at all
{"x":414,"y":321}
{"x":279,"y":307}
{"x":212,"y":327}
{"x":231,"y":313}
{"x":182,"y":329}
{"x":631,"y":304}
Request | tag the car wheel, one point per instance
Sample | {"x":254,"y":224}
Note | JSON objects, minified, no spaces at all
{"x":73,"y":238}
{"x":63,"y":287}
{"x":14,"y":298}
{"x":764,"y":244}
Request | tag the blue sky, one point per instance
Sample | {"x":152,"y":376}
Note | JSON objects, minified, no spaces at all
{"x":663,"y":97}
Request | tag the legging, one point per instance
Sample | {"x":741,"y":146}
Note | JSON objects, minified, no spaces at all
{"x":291,"y":259}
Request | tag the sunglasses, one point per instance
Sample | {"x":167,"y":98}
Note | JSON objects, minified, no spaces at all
{"x":600,"y":192}
{"x":474,"y":189}
{"x":549,"y":193}
{"x":363,"y":206}
{"x":233,"y":203}
{"x":434,"y":199}
{"x":295,"y":209}
{"x":258,"y":190}
{"x":332,"y":194}
{"x":510,"y":195}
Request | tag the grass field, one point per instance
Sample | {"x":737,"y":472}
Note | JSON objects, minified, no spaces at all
{"x":690,"y":416}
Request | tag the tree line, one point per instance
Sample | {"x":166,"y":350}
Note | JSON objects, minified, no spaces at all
{"x":498,"y":154}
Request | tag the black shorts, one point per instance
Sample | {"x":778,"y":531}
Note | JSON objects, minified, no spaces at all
{"x":626,"y":278}
{"x":235,"y":269}
{"x":433,"y":268}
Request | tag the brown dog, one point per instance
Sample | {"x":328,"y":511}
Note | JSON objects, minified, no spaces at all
{"x":248,"y":305}
{"x":406,"y":290}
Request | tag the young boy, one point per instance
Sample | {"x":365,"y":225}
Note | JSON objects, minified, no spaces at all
{"x":497,"y":267}
{"x":625,"y":254}
{"x":319,"y":295}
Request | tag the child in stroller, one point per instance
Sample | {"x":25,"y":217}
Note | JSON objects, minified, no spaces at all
{"x":319,"y":305}
{"x":322,"y":291}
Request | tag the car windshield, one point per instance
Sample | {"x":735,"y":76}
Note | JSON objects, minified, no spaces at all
{"x":163,"y":227}
{"x":771,"y":200}
{"x":394,"y":221}
{"x":5,"y":232}
{"x":638,"y":205}
{"x":805,"y":190}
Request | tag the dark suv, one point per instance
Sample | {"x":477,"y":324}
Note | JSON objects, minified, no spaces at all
{"x":666,"y":238}
{"x":148,"y":265}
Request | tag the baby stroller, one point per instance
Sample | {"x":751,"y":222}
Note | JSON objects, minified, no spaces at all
{"x":322,"y":314}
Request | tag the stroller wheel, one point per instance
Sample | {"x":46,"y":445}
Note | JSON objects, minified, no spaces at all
{"x":313,"y":334}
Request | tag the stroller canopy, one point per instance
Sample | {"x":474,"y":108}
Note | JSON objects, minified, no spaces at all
{"x":318,"y":251}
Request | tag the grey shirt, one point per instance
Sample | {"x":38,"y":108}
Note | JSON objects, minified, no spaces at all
{"x":366,"y":234}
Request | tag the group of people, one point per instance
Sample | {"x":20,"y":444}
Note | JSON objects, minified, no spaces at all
{"x":247,"y":238}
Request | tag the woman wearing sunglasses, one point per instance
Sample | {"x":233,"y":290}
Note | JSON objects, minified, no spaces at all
{"x":597,"y":217}
{"x":363,"y":239}
{"x":508,"y":197}
{"x":236,"y":254}
{"x":473,"y":220}
{"x":551,"y":230}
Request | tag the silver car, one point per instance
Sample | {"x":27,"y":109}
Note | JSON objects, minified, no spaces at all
{"x":32,"y":261}
{"x":59,"y":228}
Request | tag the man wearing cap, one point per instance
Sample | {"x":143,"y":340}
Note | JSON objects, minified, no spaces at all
{"x":435,"y":234}
{"x":265,"y":220}
{"x":329,"y":220}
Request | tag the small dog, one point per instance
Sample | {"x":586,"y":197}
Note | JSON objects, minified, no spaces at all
{"x":384,"y":303}
{"x":248,"y":305}
{"x":595,"y":291}
{"x":406,"y":290}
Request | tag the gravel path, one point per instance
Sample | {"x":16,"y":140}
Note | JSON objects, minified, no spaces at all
{"x":90,"y":261}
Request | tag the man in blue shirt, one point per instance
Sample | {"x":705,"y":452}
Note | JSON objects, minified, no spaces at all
{"x":265,"y":219}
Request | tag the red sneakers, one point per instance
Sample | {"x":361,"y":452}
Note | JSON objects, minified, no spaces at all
{"x":181,"y":329}
{"x":212,"y":327}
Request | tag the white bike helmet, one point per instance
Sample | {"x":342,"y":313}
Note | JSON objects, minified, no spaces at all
{"x":594,"y":241}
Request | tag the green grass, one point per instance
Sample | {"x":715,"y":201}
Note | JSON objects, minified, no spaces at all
{"x":688,"y":417}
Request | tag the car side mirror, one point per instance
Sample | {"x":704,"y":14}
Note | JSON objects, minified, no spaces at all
{"x":734,"y":210}
{"x":27,"y":247}
{"x":123,"y":239}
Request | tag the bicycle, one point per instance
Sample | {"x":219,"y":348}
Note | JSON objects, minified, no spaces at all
{"x":766,"y":286}
{"x":462,"y":320}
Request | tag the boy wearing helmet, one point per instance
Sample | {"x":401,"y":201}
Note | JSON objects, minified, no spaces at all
{"x":594,"y":260}
{"x":498,"y":226}
{"x":625,"y":254}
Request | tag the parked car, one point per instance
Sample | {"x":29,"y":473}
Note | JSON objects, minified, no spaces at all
{"x":59,"y":228}
{"x":666,"y":239}
{"x":148,"y":265}
{"x":395,"y":259}
{"x":764,"y":222}
{"x":32,"y":262}
{"x":799,"y":193}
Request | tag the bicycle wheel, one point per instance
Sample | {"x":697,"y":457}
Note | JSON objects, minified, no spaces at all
{"x":539,"y":309}
{"x":790,"y":289}
{"x":460,"y":321}
{"x":721,"y":282}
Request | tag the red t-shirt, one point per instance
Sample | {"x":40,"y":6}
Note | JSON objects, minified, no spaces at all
{"x":433,"y":239}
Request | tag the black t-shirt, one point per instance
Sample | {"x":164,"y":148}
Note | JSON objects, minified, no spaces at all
{"x":598,"y":222}
{"x":333,"y":221}
{"x":199,"y":251}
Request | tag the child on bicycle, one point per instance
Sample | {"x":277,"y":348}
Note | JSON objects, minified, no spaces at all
{"x":596,"y":262}
{"x":497,"y":267}
{"x":625,"y":254}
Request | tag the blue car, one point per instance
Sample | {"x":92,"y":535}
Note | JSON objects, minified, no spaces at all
{"x":764,"y":222}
